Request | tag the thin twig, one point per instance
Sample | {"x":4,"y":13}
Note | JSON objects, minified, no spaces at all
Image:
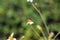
{"x":43,"y":35}
{"x":35,"y":31}
{"x":41,"y":18}
{"x":56,"y":35}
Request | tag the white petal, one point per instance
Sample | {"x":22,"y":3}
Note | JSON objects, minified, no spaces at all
{"x":8,"y":39}
{"x":31,"y":0}
{"x":14,"y":38}
{"x":12,"y":34}
{"x":28,"y":0}
{"x":30,"y":23}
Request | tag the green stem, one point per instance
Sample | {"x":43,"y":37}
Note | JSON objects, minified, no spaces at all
{"x":41,"y":18}
{"x":56,"y":35}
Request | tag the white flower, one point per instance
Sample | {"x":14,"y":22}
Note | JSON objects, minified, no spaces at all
{"x":30,"y":1}
{"x":11,"y":37}
{"x":30,"y":22}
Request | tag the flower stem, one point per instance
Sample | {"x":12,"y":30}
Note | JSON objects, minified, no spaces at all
{"x":41,"y":18}
{"x":35,"y":31}
{"x":56,"y":35}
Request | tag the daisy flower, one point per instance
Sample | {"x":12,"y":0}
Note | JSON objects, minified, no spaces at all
{"x":11,"y":37}
{"x":30,"y":21}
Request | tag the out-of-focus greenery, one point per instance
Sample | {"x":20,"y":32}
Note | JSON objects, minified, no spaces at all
{"x":14,"y":15}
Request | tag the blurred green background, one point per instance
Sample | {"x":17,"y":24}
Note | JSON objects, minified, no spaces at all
{"x":14,"y":15}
